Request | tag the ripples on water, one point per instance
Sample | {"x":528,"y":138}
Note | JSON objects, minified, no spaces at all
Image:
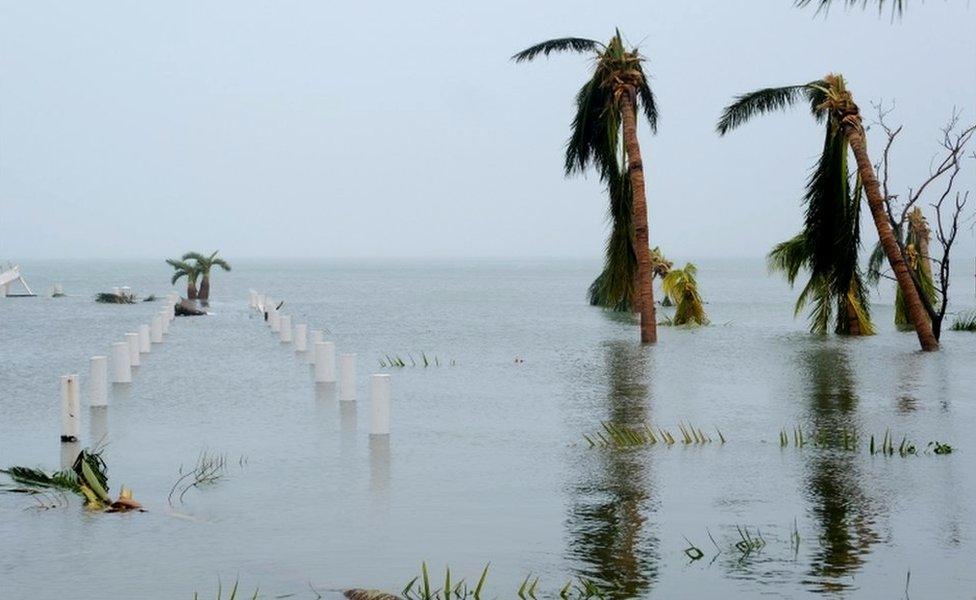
{"x":487,"y":460}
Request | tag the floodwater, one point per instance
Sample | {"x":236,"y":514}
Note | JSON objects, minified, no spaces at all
{"x":487,"y":461}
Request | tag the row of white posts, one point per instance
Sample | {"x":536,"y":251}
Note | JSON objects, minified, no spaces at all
{"x":125,"y":355}
{"x":321,"y":354}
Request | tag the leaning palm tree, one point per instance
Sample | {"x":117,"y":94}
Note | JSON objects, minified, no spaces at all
{"x":188,"y":270}
{"x":830,"y":101}
{"x":204,"y":264}
{"x":681,"y":286}
{"x":604,"y":135}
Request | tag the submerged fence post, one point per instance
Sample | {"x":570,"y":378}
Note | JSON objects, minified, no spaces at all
{"x":347,"y":377}
{"x":380,"y":422}
{"x":121,"y":365}
{"x":133,"y":340}
{"x":324,"y":362}
{"x":166,"y":319}
{"x":70,"y":408}
{"x":315,"y":339}
{"x":144,"y":345}
{"x":301,"y":337}
{"x":284,"y":329}
{"x":275,"y":320}
{"x":156,"y":329}
{"x":98,"y":385}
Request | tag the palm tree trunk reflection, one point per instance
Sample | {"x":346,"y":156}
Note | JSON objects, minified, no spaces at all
{"x":612,"y":490}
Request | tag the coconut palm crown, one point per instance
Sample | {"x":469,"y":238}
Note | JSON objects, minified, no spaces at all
{"x":828,"y":245}
{"x":603,"y":136}
{"x":188,"y":270}
{"x":204,"y":263}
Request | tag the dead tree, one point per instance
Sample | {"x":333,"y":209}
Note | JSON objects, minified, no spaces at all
{"x":946,"y":204}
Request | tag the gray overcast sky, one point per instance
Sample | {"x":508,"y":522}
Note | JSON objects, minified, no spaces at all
{"x":312,"y":128}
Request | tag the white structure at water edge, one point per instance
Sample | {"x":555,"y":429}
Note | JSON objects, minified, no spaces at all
{"x":347,"y":377}
{"x":70,"y":409}
{"x":274,"y":319}
{"x":121,"y":365}
{"x":284,"y":329}
{"x":10,"y":276}
{"x":167,"y":317}
{"x":98,"y":382}
{"x":301,"y":337}
{"x":133,"y":340}
{"x":324,"y":362}
{"x":380,"y":421}
{"x":315,"y":337}
{"x":145,"y":347}
{"x":156,"y":329}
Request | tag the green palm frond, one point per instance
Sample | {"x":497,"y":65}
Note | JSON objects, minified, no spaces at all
{"x":183,"y":269}
{"x":203,"y":263}
{"x":681,"y":286}
{"x":594,"y":137}
{"x":876,"y":261}
{"x":647,"y":102}
{"x":567,"y":44}
{"x":790,"y":257}
{"x":764,"y":101}
{"x":897,"y":6}
{"x":614,"y":288}
{"x":223,"y":264}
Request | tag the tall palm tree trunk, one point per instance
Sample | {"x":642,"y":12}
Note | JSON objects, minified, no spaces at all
{"x":191,"y":290}
{"x":916,"y":312}
{"x":635,"y":168}
{"x":204,"y":294}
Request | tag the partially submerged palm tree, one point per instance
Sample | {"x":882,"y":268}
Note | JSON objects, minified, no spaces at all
{"x":188,"y":270}
{"x":203,"y":264}
{"x":916,"y":243}
{"x":604,"y":135}
{"x":828,"y":244}
{"x":681,"y":286}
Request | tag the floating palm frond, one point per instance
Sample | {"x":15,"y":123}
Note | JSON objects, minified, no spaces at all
{"x":87,"y":478}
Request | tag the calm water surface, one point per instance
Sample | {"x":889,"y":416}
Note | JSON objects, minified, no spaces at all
{"x":487,"y":461}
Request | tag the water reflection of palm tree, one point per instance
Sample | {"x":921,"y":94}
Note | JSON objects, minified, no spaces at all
{"x":844,"y":511}
{"x":612,"y":489}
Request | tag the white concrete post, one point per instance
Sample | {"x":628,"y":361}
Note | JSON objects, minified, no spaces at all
{"x":284,"y":329}
{"x":166,"y":319}
{"x":301,"y":337}
{"x":133,"y":341}
{"x":324,"y":362}
{"x":347,"y":377}
{"x":315,"y":337}
{"x":156,"y":329}
{"x":70,"y":409}
{"x":145,"y":346}
{"x":121,"y":365}
{"x":275,"y":320}
{"x":380,"y":423}
{"x":98,"y":384}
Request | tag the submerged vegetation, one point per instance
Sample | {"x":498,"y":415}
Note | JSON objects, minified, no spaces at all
{"x":423,"y":587}
{"x":397,"y":361}
{"x":848,"y":438}
{"x":966,"y":322}
{"x":623,"y":436}
{"x":681,"y":288}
